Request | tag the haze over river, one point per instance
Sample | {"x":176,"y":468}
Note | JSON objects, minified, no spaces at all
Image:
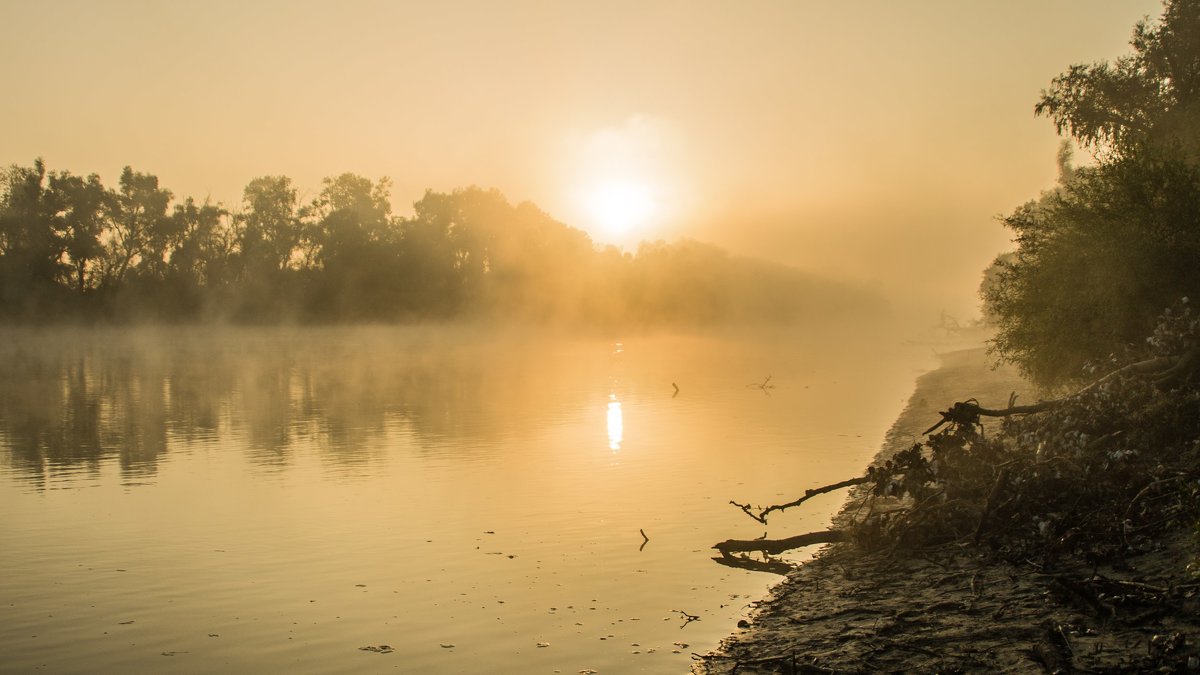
{"x":224,"y":500}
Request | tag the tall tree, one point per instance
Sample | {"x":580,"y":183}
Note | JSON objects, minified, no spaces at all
{"x":447,"y":243}
{"x":30,"y":247}
{"x":269,"y":226}
{"x":1096,"y":262}
{"x":1149,"y":97}
{"x":352,"y":249}
{"x":141,"y":230}
{"x":202,"y":243}
{"x":352,"y":214}
{"x":81,"y":206}
{"x":1100,"y":257}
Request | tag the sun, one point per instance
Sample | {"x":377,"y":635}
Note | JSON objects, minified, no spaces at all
{"x":620,"y":208}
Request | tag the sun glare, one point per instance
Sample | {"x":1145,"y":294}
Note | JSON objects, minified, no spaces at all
{"x":620,"y":208}
{"x":626,"y":182}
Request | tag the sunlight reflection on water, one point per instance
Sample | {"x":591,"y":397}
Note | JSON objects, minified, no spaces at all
{"x":616,"y":424}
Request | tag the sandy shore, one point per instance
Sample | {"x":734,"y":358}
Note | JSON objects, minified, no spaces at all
{"x":954,"y":609}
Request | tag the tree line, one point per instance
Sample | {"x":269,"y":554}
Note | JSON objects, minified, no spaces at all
{"x":73,"y":249}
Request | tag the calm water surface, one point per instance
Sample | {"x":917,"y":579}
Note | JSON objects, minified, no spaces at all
{"x":232,"y":500}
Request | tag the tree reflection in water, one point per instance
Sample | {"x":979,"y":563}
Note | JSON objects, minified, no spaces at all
{"x":70,"y":402}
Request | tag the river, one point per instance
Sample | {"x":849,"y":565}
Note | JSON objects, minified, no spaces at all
{"x":457,"y":499}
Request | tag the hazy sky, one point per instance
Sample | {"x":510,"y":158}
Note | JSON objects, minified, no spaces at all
{"x":876,"y":140}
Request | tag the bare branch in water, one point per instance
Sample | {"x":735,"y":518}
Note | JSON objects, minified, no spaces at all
{"x":765,"y":385}
{"x":761,"y":516}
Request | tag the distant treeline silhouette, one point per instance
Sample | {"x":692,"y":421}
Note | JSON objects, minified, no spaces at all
{"x":72,"y":249}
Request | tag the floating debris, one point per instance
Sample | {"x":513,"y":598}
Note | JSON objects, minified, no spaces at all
{"x":447,"y":645}
{"x":543,"y":644}
{"x":381,"y":649}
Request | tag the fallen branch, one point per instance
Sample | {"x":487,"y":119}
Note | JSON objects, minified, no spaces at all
{"x":1162,"y":368}
{"x":969,"y":411}
{"x":808,"y":494}
{"x":687,"y":618}
{"x":764,"y":386}
{"x":777,"y":546}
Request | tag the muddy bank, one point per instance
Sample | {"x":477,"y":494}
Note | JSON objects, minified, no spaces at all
{"x":956,"y":609}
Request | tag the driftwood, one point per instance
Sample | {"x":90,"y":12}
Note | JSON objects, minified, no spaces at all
{"x":776,"y":546}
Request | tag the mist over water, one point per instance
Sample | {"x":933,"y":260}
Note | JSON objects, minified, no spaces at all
{"x":208,"y":500}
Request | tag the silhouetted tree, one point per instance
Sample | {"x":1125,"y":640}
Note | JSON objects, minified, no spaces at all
{"x":269,"y":232}
{"x":1150,"y":97}
{"x":352,"y":243}
{"x":30,"y":247}
{"x":140,"y":229}
{"x":269,"y":227}
{"x":430,"y":258}
{"x":81,"y":207}
{"x":199,"y":258}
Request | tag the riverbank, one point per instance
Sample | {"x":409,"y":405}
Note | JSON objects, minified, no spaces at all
{"x":958,"y":609}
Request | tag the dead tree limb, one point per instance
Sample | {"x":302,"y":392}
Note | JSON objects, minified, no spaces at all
{"x":764,"y":385}
{"x":1162,"y":369}
{"x":969,"y":411}
{"x":777,"y":546}
{"x":808,"y":494}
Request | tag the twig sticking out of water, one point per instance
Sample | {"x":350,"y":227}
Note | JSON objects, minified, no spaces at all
{"x":687,"y":618}
{"x":645,"y":539}
{"x":763,"y":386}
{"x":676,"y":390}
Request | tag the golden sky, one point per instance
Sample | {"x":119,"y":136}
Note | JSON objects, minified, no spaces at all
{"x":876,"y":140}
